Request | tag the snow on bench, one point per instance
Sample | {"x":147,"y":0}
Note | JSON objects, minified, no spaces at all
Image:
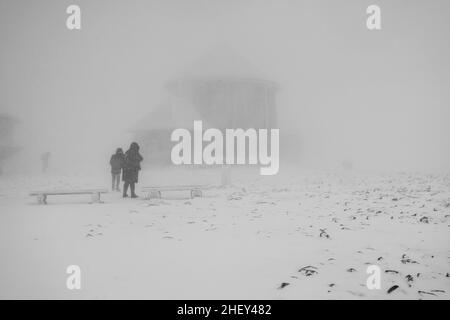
{"x":42,"y":195}
{"x":155,"y":191}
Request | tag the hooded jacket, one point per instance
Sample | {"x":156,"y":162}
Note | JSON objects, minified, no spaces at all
{"x":132,"y":164}
{"x":117,"y":161}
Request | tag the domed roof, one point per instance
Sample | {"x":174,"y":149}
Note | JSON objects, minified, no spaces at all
{"x":222,"y":63}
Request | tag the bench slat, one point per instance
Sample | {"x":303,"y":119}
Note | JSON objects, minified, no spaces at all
{"x":176,"y":188}
{"x":67,"y":192}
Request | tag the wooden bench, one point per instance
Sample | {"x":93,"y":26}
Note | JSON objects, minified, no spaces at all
{"x":155,"y":191}
{"x":42,"y":195}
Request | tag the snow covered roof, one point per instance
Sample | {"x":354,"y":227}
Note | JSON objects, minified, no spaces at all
{"x":222,"y":63}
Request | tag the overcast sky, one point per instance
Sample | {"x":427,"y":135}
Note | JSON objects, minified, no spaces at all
{"x":374,"y":97}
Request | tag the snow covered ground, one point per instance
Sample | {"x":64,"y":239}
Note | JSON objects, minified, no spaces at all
{"x":239,"y":242}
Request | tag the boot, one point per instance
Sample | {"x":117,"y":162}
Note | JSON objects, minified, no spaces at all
{"x":125,"y":189}
{"x":133,"y":195}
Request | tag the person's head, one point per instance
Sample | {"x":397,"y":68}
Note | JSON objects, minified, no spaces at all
{"x":119,"y":151}
{"x":134,"y":146}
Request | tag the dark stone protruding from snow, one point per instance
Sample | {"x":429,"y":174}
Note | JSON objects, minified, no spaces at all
{"x":283,"y":284}
{"x":409,"y":278}
{"x":424,"y":292}
{"x":324,"y":234}
{"x":391,"y":289}
{"x":406,"y":259}
{"x":424,"y":220}
{"x":391,"y":271}
{"x":308,"y":271}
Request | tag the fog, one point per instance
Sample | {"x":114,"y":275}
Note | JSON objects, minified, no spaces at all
{"x":379,"y":99}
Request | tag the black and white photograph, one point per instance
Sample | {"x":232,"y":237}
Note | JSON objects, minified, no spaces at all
{"x":218,"y":150}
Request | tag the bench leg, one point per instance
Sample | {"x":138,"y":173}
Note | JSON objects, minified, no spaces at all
{"x":42,"y":199}
{"x":95,"y":198}
{"x":154,"y":195}
{"x":196,"y":193}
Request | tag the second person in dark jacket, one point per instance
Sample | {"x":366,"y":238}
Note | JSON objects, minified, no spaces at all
{"x":116,"y":162}
{"x":130,"y":171}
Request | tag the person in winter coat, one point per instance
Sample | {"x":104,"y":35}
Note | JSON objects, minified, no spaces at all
{"x":131,"y":168}
{"x":117,"y":161}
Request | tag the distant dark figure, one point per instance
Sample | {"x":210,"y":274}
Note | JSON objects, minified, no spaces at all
{"x":131,"y":169}
{"x":117,"y":161}
{"x":45,"y":161}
